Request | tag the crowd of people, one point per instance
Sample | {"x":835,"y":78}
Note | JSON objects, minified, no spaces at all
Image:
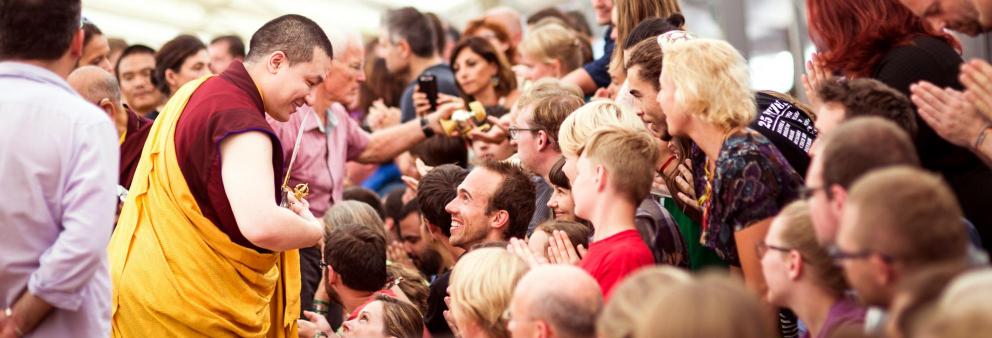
{"x":496,"y":181}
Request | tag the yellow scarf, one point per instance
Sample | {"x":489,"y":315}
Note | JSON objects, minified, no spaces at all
{"x":175,"y":273}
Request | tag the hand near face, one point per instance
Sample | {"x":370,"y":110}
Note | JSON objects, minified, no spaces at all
{"x":687,"y":190}
{"x":976,"y":75}
{"x":949,"y":113}
{"x":396,"y":254}
{"x":561,"y":250}
{"x":520,"y":248}
{"x":816,"y":75}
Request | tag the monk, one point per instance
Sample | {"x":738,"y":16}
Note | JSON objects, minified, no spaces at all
{"x":100,"y":88}
{"x":202,"y":247}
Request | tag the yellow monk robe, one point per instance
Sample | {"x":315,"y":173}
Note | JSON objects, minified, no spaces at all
{"x":175,"y":273}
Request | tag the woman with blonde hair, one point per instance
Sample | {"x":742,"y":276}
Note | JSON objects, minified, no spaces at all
{"x":481,"y":286}
{"x":551,"y":50}
{"x":709,"y":306}
{"x":801,"y":275}
{"x":619,"y":317}
{"x":740,"y":176}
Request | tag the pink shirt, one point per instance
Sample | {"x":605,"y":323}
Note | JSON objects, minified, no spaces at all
{"x":324,"y":150}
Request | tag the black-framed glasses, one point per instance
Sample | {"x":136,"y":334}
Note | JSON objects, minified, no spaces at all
{"x":761,"y":248}
{"x":840,"y":255}
{"x":323,"y":264}
{"x":514,"y":131}
{"x":806,"y":193}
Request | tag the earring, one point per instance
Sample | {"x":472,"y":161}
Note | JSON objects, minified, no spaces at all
{"x":495,"y":80}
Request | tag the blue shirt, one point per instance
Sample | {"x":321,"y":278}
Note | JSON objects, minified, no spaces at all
{"x":445,"y":84}
{"x":599,"y":69}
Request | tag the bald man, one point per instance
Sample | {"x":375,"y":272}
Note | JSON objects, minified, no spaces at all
{"x":510,"y":18}
{"x":555,"y":301}
{"x":101,"y":88}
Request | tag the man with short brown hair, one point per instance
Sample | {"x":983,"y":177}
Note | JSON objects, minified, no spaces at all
{"x":494,"y":203}
{"x":843,"y":158}
{"x":847,"y":99}
{"x":534,"y":130}
{"x":897,"y":221}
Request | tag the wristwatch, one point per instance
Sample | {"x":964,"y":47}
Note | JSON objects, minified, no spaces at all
{"x":425,"y":126}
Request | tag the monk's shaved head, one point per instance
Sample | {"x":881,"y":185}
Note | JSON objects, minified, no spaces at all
{"x":294,"y":35}
{"x":565,"y":296}
{"x":95,"y":84}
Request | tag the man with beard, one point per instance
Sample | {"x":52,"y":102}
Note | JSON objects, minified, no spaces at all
{"x":331,"y":138}
{"x":416,"y":243}
{"x":971,"y":17}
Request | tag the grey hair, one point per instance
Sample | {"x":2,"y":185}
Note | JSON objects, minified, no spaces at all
{"x":95,"y":84}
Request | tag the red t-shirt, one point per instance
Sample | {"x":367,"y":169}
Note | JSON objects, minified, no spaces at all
{"x":611,"y":259}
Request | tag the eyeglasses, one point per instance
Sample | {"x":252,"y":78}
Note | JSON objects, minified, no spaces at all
{"x":514,"y":131}
{"x":839,"y":255}
{"x":323,"y":265}
{"x":761,"y":248}
{"x":806,"y":193}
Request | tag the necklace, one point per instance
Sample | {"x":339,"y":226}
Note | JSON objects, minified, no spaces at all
{"x":706,"y":200}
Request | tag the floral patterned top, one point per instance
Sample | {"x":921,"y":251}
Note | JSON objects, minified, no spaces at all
{"x":752,"y":182}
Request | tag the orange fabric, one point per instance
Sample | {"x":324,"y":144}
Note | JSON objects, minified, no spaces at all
{"x":175,"y":273}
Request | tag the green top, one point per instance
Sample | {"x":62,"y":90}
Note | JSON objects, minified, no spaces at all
{"x":700,"y":257}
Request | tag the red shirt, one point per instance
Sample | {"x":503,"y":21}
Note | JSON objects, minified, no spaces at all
{"x":611,"y":259}
{"x":225,"y":105}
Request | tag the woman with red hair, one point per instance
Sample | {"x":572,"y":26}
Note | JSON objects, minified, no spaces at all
{"x":883,"y":40}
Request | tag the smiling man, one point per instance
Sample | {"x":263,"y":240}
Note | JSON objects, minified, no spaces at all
{"x":494,"y":203}
{"x":202,"y":247}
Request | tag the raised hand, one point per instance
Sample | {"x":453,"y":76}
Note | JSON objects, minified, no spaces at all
{"x":949,"y":113}
{"x":976,"y":75}
{"x":561,"y":250}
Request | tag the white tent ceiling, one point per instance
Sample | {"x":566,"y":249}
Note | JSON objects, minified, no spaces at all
{"x":153,"y":22}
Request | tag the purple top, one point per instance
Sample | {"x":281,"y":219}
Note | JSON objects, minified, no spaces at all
{"x":324,"y":150}
{"x":58,"y":171}
{"x":846,"y":311}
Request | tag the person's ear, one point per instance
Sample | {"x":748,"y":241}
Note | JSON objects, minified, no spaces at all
{"x":108,"y":106}
{"x":77,"y":45}
{"x":795,"y":265}
{"x":330,"y":276}
{"x":275,"y":61}
{"x":883,"y":272}
{"x":405,"y":49}
{"x":170,"y":77}
{"x":556,"y":65}
{"x":542,"y":140}
{"x":838,"y":197}
{"x":501,"y":219}
{"x":601,"y":177}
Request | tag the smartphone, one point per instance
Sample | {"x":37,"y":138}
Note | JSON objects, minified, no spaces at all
{"x":428,"y":85}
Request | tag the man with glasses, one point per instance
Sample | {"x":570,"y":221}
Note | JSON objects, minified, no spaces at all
{"x":554,"y":301}
{"x":330,"y":138}
{"x":843,"y":158}
{"x":407,"y":44}
{"x":534,"y":130}
{"x":898,"y":221}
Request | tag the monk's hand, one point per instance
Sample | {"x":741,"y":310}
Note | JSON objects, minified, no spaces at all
{"x":947,"y":111}
{"x":976,"y":75}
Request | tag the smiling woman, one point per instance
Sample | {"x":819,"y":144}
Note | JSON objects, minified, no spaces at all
{"x":180,"y":60}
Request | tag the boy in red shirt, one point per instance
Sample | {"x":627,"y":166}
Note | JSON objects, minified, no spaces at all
{"x":612,"y":176}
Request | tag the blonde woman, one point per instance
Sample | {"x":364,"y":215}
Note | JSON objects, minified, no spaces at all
{"x":801,"y":275}
{"x":739,"y":175}
{"x":481,"y":286}
{"x":551,"y":50}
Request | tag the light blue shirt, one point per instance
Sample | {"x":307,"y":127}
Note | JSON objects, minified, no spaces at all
{"x":58,"y":174}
